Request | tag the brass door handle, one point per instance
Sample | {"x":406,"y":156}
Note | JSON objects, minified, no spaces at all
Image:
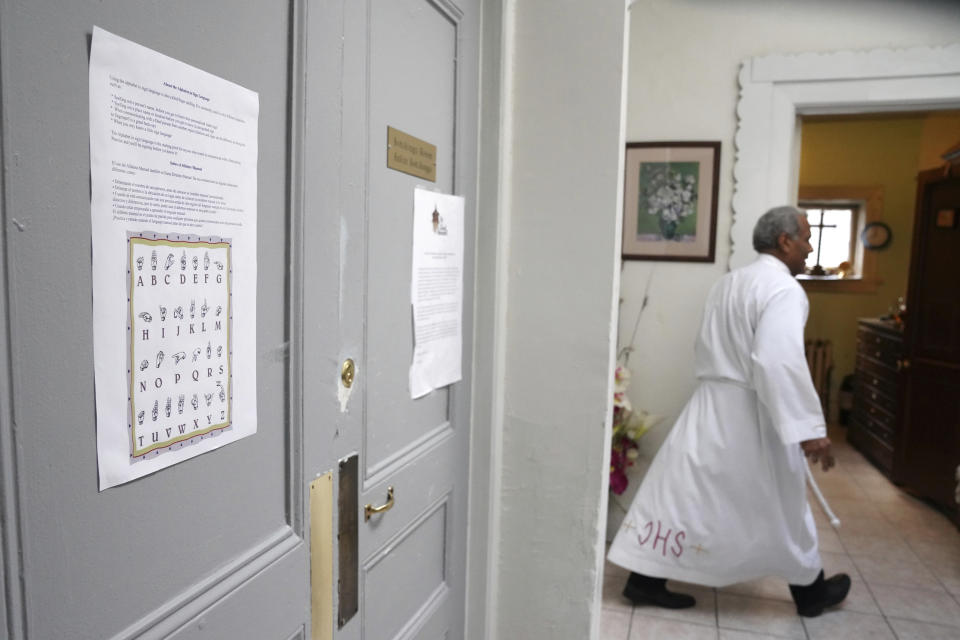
{"x":369,"y":509}
{"x":903,"y":364}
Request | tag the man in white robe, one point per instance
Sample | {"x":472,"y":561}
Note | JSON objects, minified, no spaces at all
{"x":725,"y":498}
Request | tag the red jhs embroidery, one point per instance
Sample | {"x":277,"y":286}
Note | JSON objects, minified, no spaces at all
{"x":662,"y":538}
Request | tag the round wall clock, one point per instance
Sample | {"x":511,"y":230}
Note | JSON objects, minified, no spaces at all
{"x":876,"y":235}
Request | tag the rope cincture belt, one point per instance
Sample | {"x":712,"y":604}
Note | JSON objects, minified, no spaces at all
{"x":834,"y":520}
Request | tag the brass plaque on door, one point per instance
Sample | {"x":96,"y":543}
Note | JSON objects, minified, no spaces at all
{"x":411,"y":155}
{"x":321,"y":557}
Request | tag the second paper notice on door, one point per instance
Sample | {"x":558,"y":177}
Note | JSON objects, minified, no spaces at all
{"x":436,"y":291}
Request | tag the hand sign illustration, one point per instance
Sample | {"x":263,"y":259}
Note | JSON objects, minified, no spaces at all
{"x":206,"y":261}
{"x":183,"y":260}
{"x":153,"y":260}
{"x":140,"y":263}
{"x":219,"y":350}
{"x":178,"y":356}
{"x":146,"y":317}
{"x":156,"y":409}
{"x":163,"y":313}
{"x":159,"y":358}
{"x":144,"y":365}
{"x":196,"y":354}
{"x":140,"y":418}
{"x":209,"y":350}
{"x":208,"y":397}
{"x":219,"y":310}
{"x":219,"y":265}
{"x":167,"y":407}
{"x":196,"y":261}
{"x":193,"y":305}
{"x":195,"y":401}
{"x":169,"y":262}
{"x":178,"y":313}
{"x":204,"y":309}
{"x":180,"y":403}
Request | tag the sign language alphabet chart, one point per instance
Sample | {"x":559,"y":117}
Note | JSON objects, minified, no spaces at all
{"x":173,"y":207}
{"x":178,"y":341}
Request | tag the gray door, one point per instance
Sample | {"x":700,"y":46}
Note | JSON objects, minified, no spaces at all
{"x":215,"y":547}
{"x":209,"y":548}
{"x":411,"y":65}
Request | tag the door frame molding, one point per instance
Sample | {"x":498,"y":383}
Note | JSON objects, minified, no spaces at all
{"x":13,"y":613}
{"x":490,"y":292}
{"x":775,"y":90}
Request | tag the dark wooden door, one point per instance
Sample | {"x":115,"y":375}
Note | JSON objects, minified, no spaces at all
{"x":929,"y":451}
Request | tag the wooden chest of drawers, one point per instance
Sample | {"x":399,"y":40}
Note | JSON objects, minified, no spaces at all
{"x":873,"y":425}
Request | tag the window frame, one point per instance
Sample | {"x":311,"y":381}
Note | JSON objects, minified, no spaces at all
{"x":868,"y":204}
{"x":855,"y":209}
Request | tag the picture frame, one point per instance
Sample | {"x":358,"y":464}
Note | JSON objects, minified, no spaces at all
{"x":670,"y":201}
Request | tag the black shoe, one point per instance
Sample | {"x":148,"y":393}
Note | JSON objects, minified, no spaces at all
{"x":812,"y":599}
{"x":643,"y":589}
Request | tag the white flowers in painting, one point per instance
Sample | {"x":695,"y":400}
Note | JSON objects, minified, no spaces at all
{"x":670,"y":195}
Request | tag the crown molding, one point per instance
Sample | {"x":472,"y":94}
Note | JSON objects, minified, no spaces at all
{"x":776,"y":89}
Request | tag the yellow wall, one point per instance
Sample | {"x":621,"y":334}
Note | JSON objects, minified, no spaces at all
{"x":940,"y":132}
{"x":867,"y":151}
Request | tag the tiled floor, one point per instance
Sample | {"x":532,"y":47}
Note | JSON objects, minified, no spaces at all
{"x":903,"y":558}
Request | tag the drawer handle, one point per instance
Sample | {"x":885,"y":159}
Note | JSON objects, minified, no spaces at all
{"x":903,"y":364}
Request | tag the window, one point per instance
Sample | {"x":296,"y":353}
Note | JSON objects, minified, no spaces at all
{"x":837,"y":215}
{"x":832,"y":238}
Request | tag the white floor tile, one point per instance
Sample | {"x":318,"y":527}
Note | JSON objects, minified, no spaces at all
{"x":920,"y":605}
{"x":730,"y":634}
{"x":650,"y":628}
{"x":615,"y":624}
{"x":848,"y":625}
{"x":911,"y":630}
{"x":894,"y":571}
{"x":759,"y":616}
{"x":867,"y":545}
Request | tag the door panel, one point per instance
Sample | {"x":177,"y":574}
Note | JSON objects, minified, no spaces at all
{"x":419,"y":550}
{"x":412,"y":60}
{"x":151,"y":557}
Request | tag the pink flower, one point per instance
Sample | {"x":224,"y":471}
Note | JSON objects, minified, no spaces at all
{"x":618,"y":481}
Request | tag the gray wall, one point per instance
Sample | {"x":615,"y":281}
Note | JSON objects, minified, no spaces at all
{"x":561,"y":151}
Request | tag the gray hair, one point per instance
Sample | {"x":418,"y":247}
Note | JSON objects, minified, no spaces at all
{"x":774,"y":222}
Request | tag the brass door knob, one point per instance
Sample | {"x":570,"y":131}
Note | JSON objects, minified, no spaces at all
{"x":347,"y":372}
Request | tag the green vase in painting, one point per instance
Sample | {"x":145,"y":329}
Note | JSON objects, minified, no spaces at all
{"x":668,"y":228}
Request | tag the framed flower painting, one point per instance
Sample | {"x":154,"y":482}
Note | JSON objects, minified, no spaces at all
{"x":670,"y":201}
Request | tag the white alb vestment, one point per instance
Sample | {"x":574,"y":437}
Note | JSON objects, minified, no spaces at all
{"x":725,"y":498}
